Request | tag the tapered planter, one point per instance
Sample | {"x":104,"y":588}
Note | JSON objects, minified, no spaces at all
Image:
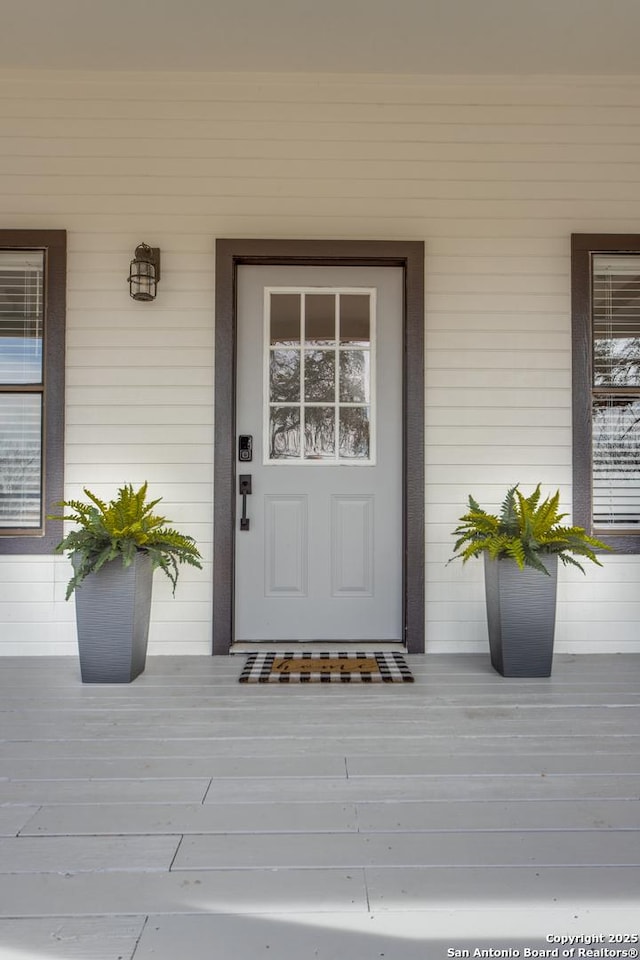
{"x":521,"y":615}
{"x":113,"y":607}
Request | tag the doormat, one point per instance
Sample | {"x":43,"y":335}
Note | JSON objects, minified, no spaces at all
{"x":313,"y":667}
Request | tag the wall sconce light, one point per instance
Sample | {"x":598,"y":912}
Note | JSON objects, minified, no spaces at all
{"x":144,"y":272}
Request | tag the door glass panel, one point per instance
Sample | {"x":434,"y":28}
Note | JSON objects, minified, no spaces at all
{"x":319,"y":433}
{"x":284,"y":433}
{"x":319,"y":375}
{"x":319,"y":393}
{"x":354,"y":433}
{"x":354,"y":376}
{"x":285,"y":318}
{"x":284,"y":375}
{"x":320,"y":318}
{"x":355,"y":318}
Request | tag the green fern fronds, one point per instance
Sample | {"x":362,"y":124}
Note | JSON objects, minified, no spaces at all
{"x":525,"y":530}
{"x":509,"y":512}
{"x":122,"y":528}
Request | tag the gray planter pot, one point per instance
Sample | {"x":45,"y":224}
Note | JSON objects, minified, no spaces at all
{"x":113,"y":607}
{"x":521,"y":616}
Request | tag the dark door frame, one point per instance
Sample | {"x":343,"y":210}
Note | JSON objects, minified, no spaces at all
{"x":230,"y":254}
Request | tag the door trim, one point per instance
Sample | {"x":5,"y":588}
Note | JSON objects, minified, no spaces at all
{"x":230,"y":254}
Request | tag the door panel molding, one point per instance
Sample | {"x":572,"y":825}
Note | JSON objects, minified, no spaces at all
{"x":286,"y":541}
{"x":351,"y":551}
{"x":230,"y":254}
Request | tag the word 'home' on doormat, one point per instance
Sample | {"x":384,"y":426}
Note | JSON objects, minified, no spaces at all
{"x":317,"y":667}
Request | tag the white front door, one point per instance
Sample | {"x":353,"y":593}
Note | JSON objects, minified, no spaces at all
{"x":319,"y":392}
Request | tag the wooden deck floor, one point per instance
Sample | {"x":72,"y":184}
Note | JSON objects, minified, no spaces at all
{"x":187,"y":817}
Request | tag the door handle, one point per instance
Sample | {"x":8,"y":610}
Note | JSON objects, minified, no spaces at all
{"x":245,"y":491}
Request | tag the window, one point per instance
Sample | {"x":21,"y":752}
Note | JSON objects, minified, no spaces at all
{"x":32,"y":310}
{"x":319,"y":373}
{"x":606,"y":387}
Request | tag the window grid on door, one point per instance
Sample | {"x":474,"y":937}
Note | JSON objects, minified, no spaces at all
{"x":319,"y":375}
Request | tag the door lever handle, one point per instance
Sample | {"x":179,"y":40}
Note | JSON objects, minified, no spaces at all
{"x":245,"y":491}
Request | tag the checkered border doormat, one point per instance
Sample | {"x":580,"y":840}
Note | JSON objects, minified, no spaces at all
{"x":392,"y":668}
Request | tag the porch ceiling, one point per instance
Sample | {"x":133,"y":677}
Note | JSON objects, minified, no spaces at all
{"x":332,"y":36}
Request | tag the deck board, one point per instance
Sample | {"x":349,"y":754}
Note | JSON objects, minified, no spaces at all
{"x":333,"y":821}
{"x":70,"y":938}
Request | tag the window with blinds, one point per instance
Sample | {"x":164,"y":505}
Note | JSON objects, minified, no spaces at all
{"x":33,"y":267}
{"x":21,"y":388}
{"x":615,"y":323}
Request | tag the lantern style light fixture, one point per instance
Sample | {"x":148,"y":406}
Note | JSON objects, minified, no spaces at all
{"x":144,"y":272}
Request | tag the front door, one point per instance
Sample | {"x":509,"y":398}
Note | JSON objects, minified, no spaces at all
{"x":319,"y":412}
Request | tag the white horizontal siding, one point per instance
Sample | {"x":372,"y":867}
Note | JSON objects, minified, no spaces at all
{"x":493,"y":174}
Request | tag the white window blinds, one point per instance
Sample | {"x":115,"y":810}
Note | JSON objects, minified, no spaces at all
{"x":616,"y":391}
{"x":21,"y":388}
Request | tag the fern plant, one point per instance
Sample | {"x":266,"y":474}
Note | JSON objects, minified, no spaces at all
{"x":525,"y":529}
{"x":121,"y":528}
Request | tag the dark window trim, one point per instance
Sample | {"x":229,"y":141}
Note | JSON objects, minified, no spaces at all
{"x":54,"y":245}
{"x":583,"y":246}
{"x":410,"y":256}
